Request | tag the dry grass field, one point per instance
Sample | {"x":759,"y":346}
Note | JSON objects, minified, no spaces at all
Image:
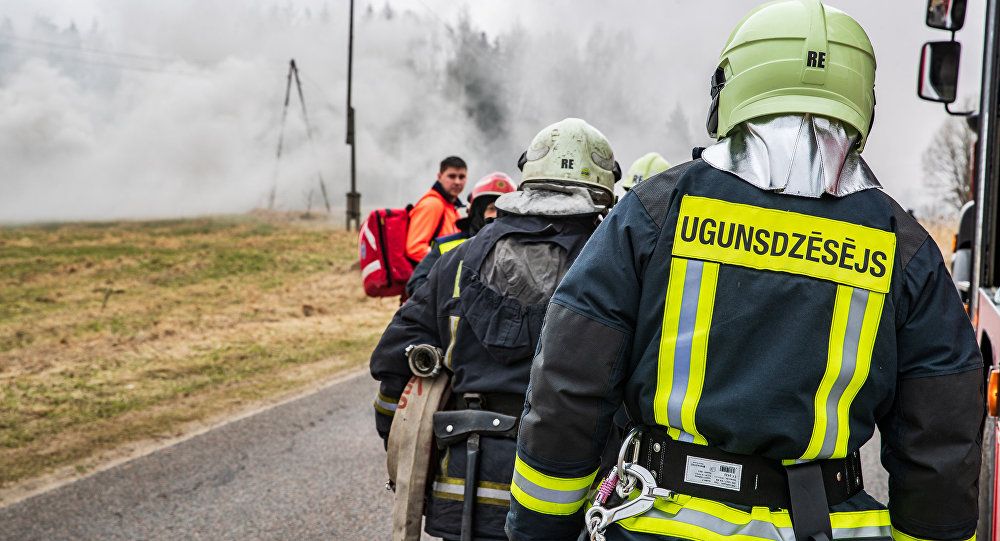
{"x":118,"y":332}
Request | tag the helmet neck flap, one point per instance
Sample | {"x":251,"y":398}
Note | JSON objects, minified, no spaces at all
{"x":799,"y":154}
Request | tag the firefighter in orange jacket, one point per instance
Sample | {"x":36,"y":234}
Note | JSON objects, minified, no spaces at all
{"x":436,"y":212}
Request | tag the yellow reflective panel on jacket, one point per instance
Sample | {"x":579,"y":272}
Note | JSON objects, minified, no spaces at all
{"x":686,"y":517}
{"x":446,"y":247}
{"x":711,"y":232}
{"x":547,"y":494}
{"x":777,"y":240}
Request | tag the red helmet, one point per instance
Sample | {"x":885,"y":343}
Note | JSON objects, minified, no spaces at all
{"x":492,"y":184}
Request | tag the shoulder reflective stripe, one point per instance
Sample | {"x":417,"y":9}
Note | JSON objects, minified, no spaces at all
{"x":446,"y":247}
{"x":547,"y":494}
{"x":856,"y":315}
{"x":370,"y":268}
{"x":900,"y":536}
{"x":687,"y":320}
{"x":385,"y":405}
{"x":709,"y":520}
{"x":776,"y":240}
{"x":453,"y":320}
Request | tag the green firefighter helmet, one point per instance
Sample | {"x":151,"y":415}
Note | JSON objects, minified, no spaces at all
{"x":795,"y":56}
{"x":643,"y":168}
{"x":575,"y":153}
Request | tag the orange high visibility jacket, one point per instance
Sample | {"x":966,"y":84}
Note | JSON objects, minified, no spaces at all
{"x":433,"y":216}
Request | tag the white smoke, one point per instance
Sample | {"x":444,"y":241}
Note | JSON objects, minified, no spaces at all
{"x":162,"y":109}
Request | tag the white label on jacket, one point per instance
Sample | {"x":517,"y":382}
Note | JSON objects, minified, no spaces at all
{"x":712,"y":473}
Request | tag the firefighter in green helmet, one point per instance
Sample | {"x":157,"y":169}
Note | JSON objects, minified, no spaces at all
{"x":645,"y":167}
{"x":482,"y":308}
{"x":759,"y":311}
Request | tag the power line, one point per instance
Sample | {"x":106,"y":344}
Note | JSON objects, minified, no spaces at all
{"x":78,"y":48}
{"x":101,"y":63}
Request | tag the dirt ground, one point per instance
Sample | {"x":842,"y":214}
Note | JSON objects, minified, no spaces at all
{"x":116,"y":332}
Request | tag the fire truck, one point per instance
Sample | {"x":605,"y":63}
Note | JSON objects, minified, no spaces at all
{"x":976,"y":259}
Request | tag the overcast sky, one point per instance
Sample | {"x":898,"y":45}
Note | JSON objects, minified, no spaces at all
{"x":175,"y":109}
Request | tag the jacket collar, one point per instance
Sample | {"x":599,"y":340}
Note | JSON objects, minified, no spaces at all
{"x":447,"y":196}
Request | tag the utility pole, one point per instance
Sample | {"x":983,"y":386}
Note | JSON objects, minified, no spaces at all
{"x":293,"y":75}
{"x":353,"y":197}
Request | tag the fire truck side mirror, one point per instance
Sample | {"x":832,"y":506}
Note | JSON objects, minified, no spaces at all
{"x":938,"y":78}
{"x":946,"y":14}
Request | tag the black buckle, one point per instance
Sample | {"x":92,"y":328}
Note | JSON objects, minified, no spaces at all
{"x":473,"y":401}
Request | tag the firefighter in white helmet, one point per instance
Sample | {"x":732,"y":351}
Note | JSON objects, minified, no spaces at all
{"x":482,"y":308}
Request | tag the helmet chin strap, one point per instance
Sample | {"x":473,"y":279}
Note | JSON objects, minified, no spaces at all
{"x":718,"y":83}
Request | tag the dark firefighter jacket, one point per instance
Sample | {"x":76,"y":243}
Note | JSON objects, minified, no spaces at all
{"x":439,"y":246}
{"x":484,"y":307}
{"x":761,"y":324}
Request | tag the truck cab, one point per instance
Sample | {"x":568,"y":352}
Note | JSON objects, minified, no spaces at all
{"x":976,"y":260}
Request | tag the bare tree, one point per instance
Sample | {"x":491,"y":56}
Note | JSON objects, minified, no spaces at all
{"x":948,"y":162}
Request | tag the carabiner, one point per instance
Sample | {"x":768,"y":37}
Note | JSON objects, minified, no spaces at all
{"x":627,"y":482}
{"x":598,"y":518}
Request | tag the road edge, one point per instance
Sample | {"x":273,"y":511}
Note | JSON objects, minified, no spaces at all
{"x":128,"y":452}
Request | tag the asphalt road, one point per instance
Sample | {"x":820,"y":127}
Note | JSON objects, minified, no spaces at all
{"x":312,"y":468}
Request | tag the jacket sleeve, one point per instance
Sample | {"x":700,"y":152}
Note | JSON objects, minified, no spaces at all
{"x":423,"y":269}
{"x":577,"y":377}
{"x":932,"y":435}
{"x":414,"y":323}
{"x":424,"y":219}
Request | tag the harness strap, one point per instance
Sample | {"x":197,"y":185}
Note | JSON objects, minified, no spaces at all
{"x":714,"y":474}
{"x":809,"y":509}
{"x":505,"y":403}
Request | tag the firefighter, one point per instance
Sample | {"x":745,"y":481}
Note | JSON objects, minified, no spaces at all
{"x":481,"y":210}
{"x":483,"y":305}
{"x":759,"y":311}
{"x":436,"y":212}
{"x":645,"y":167}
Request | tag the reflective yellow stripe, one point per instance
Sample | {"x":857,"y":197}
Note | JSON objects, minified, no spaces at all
{"x":866,"y":343}
{"x":693,"y":518}
{"x":900,"y":536}
{"x":699,"y":349}
{"x":841,"y":306}
{"x":854,"y":326}
{"x":671,"y":319}
{"x":547,"y":494}
{"x":458,"y":279}
{"x":776,"y":240}
{"x":453,"y":320}
{"x":453,"y":488}
{"x":385,"y":405}
{"x":446,"y":247}
{"x":687,"y":322}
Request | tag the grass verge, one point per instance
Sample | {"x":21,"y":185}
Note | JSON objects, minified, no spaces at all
{"x":116,"y":332}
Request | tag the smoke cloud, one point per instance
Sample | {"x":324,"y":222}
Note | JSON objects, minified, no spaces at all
{"x":138,"y":109}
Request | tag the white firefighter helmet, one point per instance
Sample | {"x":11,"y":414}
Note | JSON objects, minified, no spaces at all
{"x":574,"y":153}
